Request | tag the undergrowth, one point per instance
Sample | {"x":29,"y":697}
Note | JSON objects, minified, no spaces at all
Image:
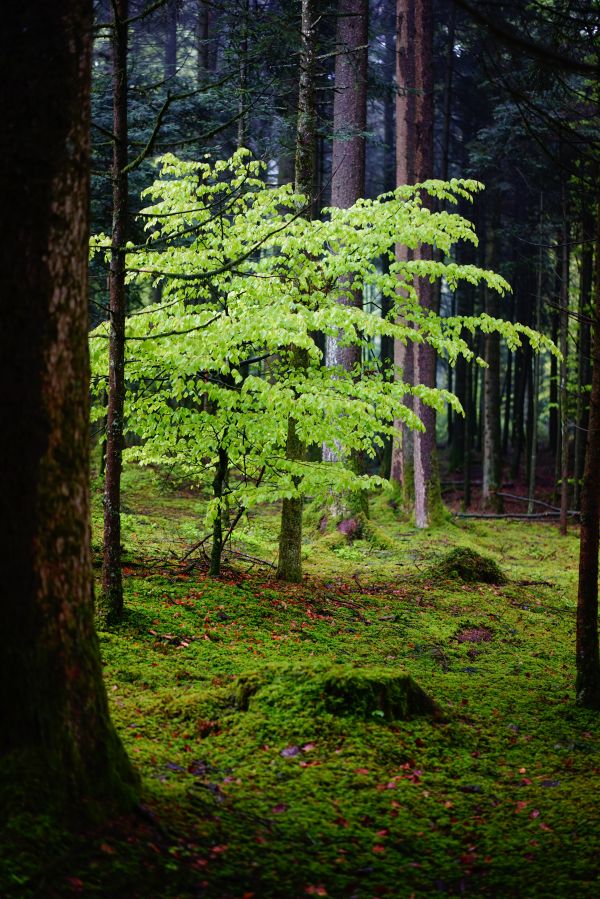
{"x":256,"y":784}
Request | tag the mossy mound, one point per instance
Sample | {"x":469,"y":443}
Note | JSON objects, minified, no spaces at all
{"x":373,"y":692}
{"x":341,"y":690}
{"x":469,"y":566}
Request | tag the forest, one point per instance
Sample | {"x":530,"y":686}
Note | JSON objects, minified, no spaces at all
{"x":300,"y":401}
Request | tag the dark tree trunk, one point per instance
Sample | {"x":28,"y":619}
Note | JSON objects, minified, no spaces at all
{"x":172,"y":14}
{"x":402,"y":466}
{"x":492,"y":449}
{"x":289,"y":566}
{"x":564,"y":387}
{"x":112,"y":582}
{"x":219,"y":486}
{"x":202,"y":40}
{"x":428,"y":498}
{"x":348,"y":151}
{"x":584,"y":349}
{"x":58,"y":748}
{"x":348,"y":172}
{"x":587,"y":684}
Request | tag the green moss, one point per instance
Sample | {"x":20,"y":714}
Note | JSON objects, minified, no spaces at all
{"x":469,"y":566}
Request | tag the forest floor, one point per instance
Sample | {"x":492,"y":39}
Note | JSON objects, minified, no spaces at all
{"x":256,"y":785}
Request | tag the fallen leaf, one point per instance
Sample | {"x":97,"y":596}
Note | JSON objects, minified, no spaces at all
{"x":290,"y":751}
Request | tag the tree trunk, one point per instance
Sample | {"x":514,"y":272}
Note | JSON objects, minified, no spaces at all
{"x":492,"y":448}
{"x":202,"y":38}
{"x":289,"y":566}
{"x":564,"y":386}
{"x":348,"y":151}
{"x":428,"y":497}
{"x":584,"y":348}
{"x":402,"y":466}
{"x":112,"y":582}
{"x":219,"y":487}
{"x":536,"y":370}
{"x":171,"y":14}
{"x":58,"y":748}
{"x":348,"y":176}
{"x":587,"y":683}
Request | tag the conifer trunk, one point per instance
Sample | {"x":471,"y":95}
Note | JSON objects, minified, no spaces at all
{"x":112,"y":582}
{"x":564,"y":391}
{"x":58,"y":748}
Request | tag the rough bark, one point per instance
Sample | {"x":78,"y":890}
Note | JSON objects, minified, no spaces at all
{"x":535,"y":392}
{"x":289,"y":566}
{"x":112,"y":582}
{"x":58,"y":749}
{"x":587,"y":683}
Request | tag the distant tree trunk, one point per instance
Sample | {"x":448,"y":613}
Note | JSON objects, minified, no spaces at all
{"x":587,"y":683}
{"x":492,"y":446}
{"x":584,"y":348}
{"x":58,"y":748}
{"x":112,"y":582}
{"x":564,"y":386}
{"x":348,"y":169}
{"x":219,"y":486}
{"x":536,"y":370}
{"x":402,"y":466}
{"x":428,"y":497}
{"x":242,"y":53}
{"x":290,"y":536}
{"x":202,"y":40}
{"x":172,"y":13}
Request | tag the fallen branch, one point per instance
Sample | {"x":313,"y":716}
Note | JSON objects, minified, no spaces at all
{"x":524,"y":516}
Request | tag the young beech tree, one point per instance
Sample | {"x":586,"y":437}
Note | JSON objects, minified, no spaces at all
{"x":247,"y":279}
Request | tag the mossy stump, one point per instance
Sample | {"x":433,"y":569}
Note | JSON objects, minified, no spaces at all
{"x":466,"y":565}
{"x":374,"y":693}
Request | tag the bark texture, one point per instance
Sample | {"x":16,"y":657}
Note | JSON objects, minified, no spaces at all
{"x":587,"y":683}
{"x":112,"y":582}
{"x":57,"y":745}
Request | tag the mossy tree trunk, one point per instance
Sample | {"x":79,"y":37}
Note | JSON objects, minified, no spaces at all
{"x":58,"y":748}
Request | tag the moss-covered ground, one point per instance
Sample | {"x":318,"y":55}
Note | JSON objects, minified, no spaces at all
{"x":257,"y":784}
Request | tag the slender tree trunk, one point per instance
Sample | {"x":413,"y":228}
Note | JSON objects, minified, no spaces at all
{"x":58,"y":748}
{"x":492,"y":448}
{"x":112,"y":583}
{"x":584,"y":349}
{"x":536,"y":371}
{"x":219,"y":486}
{"x":290,"y":536}
{"x":587,"y":683}
{"x":402,"y":467}
{"x":564,"y":386}
{"x":242,"y":133}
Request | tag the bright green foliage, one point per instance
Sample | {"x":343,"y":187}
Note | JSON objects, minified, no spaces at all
{"x":246,"y":284}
